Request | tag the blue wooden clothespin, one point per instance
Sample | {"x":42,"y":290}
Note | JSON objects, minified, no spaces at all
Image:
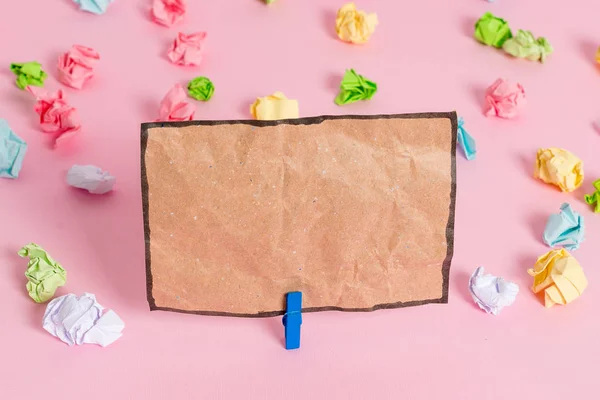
{"x":292,"y":319}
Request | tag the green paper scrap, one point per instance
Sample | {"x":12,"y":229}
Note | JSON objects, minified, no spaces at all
{"x":594,"y":198}
{"x":44,"y":274}
{"x":492,"y":30}
{"x":201,"y":88}
{"x":269,"y":1}
{"x":525,"y":45}
{"x":355,"y":87}
{"x":29,"y":73}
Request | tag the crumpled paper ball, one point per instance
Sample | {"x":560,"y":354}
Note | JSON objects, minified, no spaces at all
{"x":90,"y":178}
{"x":567,"y":228}
{"x":559,"y":167}
{"x":29,"y":74}
{"x":79,"y":320}
{"x":187,"y":50}
{"x":57,"y":117}
{"x":97,"y":7}
{"x":491,"y":30}
{"x":44,"y":275}
{"x":274,"y":107}
{"x":355,"y":87}
{"x":201,"y":88}
{"x":559,"y":275}
{"x":168,"y":12}
{"x":525,"y":45}
{"x":594,"y":198}
{"x":504,"y":99}
{"x":12,"y":152}
{"x":76,"y":66}
{"x":175,"y":106}
{"x":491,"y":293}
{"x":355,"y":26}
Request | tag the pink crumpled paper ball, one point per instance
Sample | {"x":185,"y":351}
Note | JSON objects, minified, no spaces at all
{"x":175,"y":107}
{"x":187,"y":49}
{"x":57,"y":117}
{"x":168,"y":12}
{"x":504,"y":99}
{"x":76,"y":66}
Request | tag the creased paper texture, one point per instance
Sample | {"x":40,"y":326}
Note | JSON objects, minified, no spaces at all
{"x":355,"y":212}
{"x":81,"y":319}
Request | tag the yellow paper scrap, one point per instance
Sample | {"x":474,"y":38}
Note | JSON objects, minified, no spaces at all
{"x":560,"y":276}
{"x":275,"y":106}
{"x":559,"y":167}
{"x":355,"y":26}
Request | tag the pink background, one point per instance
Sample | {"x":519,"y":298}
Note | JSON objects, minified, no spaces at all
{"x":424,"y":59}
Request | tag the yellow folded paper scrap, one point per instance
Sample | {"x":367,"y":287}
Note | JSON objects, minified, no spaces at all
{"x":560,"y":276}
{"x":598,"y":55}
{"x":275,"y":106}
{"x":559,"y":167}
{"x":355,"y":26}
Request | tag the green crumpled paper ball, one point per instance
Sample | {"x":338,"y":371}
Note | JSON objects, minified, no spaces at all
{"x":29,"y":73}
{"x":201,"y":88}
{"x":492,"y":30}
{"x":594,"y":198}
{"x":355,"y":87}
{"x":525,"y":45}
{"x":44,"y":275}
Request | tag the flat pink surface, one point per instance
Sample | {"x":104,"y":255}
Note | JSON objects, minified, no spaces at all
{"x":424,"y":59}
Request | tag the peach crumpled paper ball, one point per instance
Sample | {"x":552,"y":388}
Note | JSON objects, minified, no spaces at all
{"x":168,"y":12}
{"x":187,"y":50}
{"x":504,"y":99}
{"x":175,"y":106}
{"x":76,"y":66}
{"x":57,"y":117}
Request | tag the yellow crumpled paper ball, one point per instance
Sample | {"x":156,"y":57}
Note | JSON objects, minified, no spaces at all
{"x":560,"y":276}
{"x":273,"y":107}
{"x":355,"y":26}
{"x":559,"y":167}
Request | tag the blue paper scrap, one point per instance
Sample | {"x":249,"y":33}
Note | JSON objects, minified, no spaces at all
{"x":12,"y":152}
{"x":564,"y":229}
{"x":466,"y":141}
{"x":94,"y":6}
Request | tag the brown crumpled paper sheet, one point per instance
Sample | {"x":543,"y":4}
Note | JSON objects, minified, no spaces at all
{"x":357,"y":212}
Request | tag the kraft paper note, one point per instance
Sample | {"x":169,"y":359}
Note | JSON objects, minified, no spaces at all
{"x":356,"y":212}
